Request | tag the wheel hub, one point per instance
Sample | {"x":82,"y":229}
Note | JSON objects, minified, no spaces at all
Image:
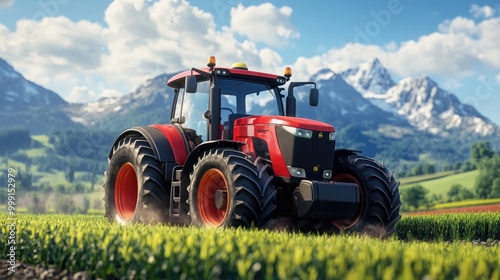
{"x":220,"y":199}
{"x":126,"y":192}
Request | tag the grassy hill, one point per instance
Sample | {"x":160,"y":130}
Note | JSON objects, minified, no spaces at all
{"x":43,"y":172}
{"x":441,"y":182}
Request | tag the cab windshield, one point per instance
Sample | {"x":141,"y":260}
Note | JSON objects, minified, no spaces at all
{"x":238,"y":97}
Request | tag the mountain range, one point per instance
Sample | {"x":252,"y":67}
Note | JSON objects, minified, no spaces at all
{"x":368,"y":108}
{"x":26,"y":104}
{"x":419,"y":100}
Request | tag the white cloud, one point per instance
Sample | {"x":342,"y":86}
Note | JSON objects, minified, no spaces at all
{"x":110,"y":93}
{"x":54,"y":52}
{"x":481,"y":12}
{"x":264,"y":23}
{"x":6,"y":3}
{"x":81,"y":94}
{"x":458,"y":25}
{"x":141,"y":40}
{"x":497,"y":79}
{"x":460,"y":48}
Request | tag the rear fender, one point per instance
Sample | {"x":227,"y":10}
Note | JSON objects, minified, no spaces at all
{"x":163,"y":149}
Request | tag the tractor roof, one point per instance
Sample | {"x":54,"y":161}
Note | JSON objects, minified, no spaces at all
{"x":177,"y":81}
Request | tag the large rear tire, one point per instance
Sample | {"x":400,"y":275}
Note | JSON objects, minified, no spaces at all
{"x":229,"y":190}
{"x":380,"y":199}
{"x":135,"y":189}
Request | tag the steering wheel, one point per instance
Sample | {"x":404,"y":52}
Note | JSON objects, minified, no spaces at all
{"x":226,"y":108}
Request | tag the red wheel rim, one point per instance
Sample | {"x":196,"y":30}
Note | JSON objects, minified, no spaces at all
{"x":126,"y":189}
{"x":349,"y":223}
{"x":212,"y":181}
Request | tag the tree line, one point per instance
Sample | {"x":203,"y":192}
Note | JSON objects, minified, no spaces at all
{"x":487,"y":184}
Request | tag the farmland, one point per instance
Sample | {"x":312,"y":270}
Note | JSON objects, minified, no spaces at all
{"x":440,"y":183}
{"x":104,"y":250}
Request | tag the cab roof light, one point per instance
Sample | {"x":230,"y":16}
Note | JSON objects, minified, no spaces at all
{"x":239,"y":65}
{"x":211,"y":61}
{"x":288,"y":73}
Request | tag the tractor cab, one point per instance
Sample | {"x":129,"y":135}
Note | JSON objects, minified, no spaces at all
{"x":241,"y":93}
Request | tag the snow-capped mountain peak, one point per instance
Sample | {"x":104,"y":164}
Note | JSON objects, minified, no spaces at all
{"x":323,"y":75}
{"x":369,"y":78}
{"x":420,"y":100}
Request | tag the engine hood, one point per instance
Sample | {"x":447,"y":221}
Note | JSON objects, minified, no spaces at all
{"x":288,"y":121}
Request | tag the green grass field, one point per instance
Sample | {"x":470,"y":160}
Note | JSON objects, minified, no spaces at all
{"x":43,"y":139}
{"x":426,"y":177}
{"x":441,"y":183}
{"x":105,"y":250}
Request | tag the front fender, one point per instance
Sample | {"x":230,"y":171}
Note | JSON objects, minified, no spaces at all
{"x":199,"y":150}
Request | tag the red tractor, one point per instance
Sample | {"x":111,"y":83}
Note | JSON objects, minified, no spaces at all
{"x":236,"y":155}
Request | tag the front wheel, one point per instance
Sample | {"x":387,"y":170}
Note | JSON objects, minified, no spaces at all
{"x":229,"y":190}
{"x":380,"y":199}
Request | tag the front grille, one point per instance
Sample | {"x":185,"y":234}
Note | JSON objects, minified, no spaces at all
{"x":307,"y":152}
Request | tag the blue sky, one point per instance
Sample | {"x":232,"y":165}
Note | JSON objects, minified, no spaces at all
{"x":85,"y":50}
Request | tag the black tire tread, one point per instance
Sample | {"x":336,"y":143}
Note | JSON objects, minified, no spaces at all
{"x":154,"y":192}
{"x":384,"y":198}
{"x":250,"y":190}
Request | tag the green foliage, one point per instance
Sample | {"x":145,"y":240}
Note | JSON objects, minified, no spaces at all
{"x":429,"y":168}
{"x":418,"y":170}
{"x":487,"y":184}
{"x":111,"y":251}
{"x":458,"y":192}
{"x":467,"y":166}
{"x":450,"y":227}
{"x":70,"y":173}
{"x":88,"y":144}
{"x":14,"y":139}
{"x":480,"y":151}
{"x":414,"y":196}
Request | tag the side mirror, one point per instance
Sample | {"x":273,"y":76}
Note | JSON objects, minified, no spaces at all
{"x":190,"y":84}
{"x":313,"y":97}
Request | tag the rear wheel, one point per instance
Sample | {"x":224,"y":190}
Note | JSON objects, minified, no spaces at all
{"x":380,"y":199}
{"x":135,"y":189}
{"x":229,"y":190}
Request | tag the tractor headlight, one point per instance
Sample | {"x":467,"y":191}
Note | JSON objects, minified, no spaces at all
{"x":327,"y":174}
{"x":221,"y":72}
{"x":332,"y":136}
{"x":297,"y":172}
{"x":299,"y":131}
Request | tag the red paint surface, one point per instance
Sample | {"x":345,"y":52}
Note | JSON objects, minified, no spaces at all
{"x":288,"y":121}
{"x":178,"y":80}
{"x":175,"y":140}
{"x":264,"y":127}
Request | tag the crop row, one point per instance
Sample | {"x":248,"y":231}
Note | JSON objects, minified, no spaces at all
{"x":108,"y":251}
{"x":450,"y":227}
